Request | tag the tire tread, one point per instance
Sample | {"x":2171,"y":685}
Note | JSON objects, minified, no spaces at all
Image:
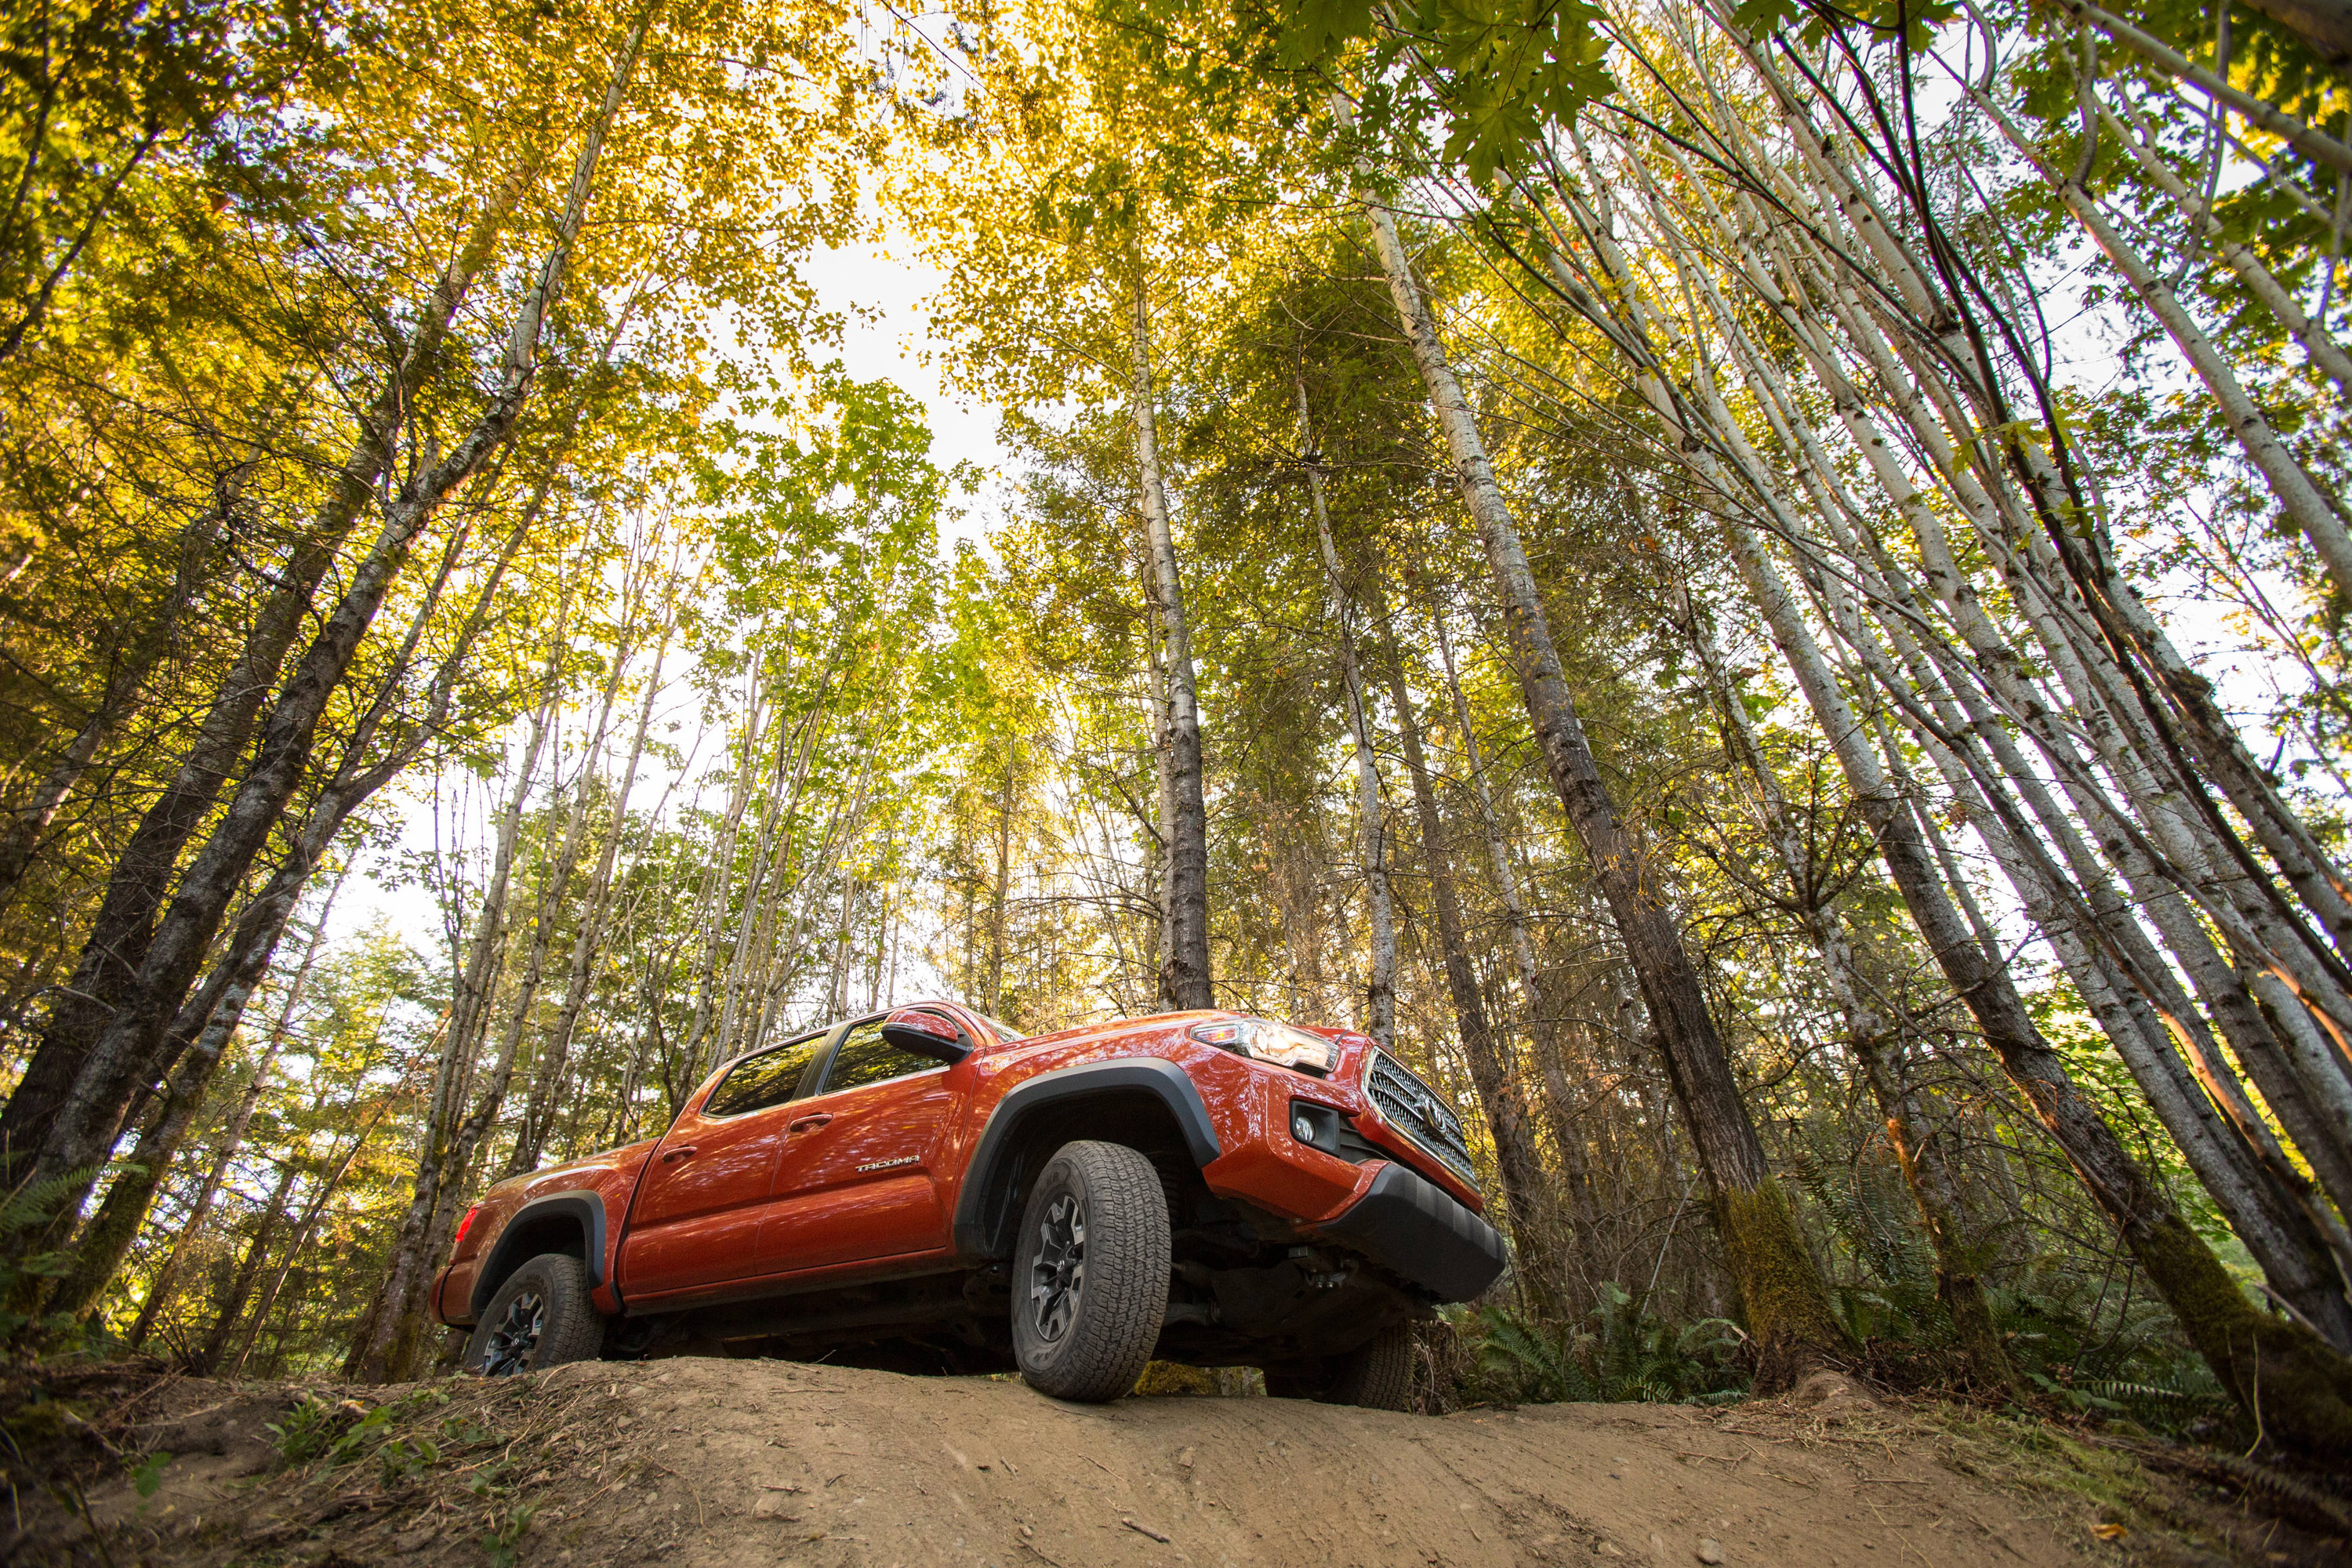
{"x":574,"y":1329}
{"x":1378,"y":1375}
{"x":1125,"y":1299}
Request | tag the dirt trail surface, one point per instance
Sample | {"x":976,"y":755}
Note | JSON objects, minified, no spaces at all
{"x":722,"y":1463}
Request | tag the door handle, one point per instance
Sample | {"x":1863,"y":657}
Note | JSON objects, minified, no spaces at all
{"x":819,"y":1120}
{"x":672,"y":1156}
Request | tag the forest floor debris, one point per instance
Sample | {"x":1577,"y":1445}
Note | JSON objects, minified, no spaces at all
{"x":693,"y":1462}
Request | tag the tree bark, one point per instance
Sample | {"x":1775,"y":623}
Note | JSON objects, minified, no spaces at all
{"x":1184,"y":977}
{"x":1551,"y":1062}
{"x":588,"y":941}
{"x":121,"y":932}
{"x":1380,"y":986}
{"x":127,"y":672}
{"x":1780,"y":1285}
{"x":1500,"y":1093}
{"x":159,"y":1289}
{"x":1876,"y":1044}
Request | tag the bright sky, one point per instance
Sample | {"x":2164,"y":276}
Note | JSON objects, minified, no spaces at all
{"x":880,"y":288}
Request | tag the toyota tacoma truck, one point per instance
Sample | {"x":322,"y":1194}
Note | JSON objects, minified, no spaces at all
{"x":930,"y":1184}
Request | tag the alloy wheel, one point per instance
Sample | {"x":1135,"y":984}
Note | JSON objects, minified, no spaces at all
{"x":1060,"y":1271}
{"x":517,"y":1335}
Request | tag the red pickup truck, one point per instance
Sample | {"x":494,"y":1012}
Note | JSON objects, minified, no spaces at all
{"x":930,"y":1185}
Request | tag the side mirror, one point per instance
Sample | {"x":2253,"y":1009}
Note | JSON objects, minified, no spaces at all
{"x":924,"y":1035}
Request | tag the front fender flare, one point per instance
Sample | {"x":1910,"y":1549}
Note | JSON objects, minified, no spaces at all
{"x":506,"y":1254}
{"x":979,"y":1228}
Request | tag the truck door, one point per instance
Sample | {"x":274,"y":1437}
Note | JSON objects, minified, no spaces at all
{"x":699,"y":1206}
{"x":859,"y":1177}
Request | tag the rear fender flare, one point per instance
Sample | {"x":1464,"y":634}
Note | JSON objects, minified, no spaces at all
{"x":981,"y":1228}
{"x":584,"y":1209}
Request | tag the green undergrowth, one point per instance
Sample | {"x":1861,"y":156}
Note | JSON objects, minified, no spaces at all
{"x":2095,"y":1343}
{"x":1619,"y":1350}
{"x":424,"y":1449}
{"x":2081,"y":1349}
{"x":2208,"y":1505}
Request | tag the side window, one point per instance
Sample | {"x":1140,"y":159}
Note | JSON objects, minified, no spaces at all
{"x":765,"y":1079}
{"x":866,"y":1057}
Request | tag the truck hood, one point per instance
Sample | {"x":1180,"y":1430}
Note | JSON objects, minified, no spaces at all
{"x":575,"y":1172}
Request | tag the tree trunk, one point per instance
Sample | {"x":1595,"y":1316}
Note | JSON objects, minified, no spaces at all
{"x":1495,"y":1077}
{"x":1584,"y":1210}
{"x":1380,"y":988}
{"x":1781,"y":1286}
{"x":1185,"y":979}
{"x":381,"y":1353}
{"x":555,"y":891}
{"x":248,"y":1269}
{"x":159,"y":1289}
{"x":1875,"y":1042}
{"x":587,"y":942}
{"x":2306,"y":1387}
{"x":127,"y":671}
{"x":121,"y":932}
{"x":105,"y":1241}
{"x":997,"y":892}
{"x":86,"y":1126}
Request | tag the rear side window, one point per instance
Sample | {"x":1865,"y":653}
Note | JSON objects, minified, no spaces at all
{"x":765,"y":1079}
{"x":865,"y":1057}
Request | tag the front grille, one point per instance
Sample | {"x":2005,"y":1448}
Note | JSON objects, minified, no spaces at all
{"x":1417,"y":1111}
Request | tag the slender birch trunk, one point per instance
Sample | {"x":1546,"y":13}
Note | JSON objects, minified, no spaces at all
{"x":1875,"y":1042}
{"x":102,"y":1245}
{"x":1780,"y":1285}
{"x":1184,"y":977}
{"x":160,"y":1285}
{"x":1501,"y":1095}
{"x":1566,"y":1138}
{"x":383,"y":1351}
{"x":86,"y":1126}
{"x":248,"y":1269}
{"x":588,"y":940}
{"x":1380,"y":986}
{"x":128,"y":670}
{"x":555,"y":891}
{"x":106,"y":975}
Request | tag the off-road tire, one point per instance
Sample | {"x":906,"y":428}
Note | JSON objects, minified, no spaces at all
{"x":539,"y":1315}
{"x":1375,"y":1375}
{"x":1086,"y":1320}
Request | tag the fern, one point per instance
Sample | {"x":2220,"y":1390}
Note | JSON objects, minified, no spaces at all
{"x":1619,"y":1352}
{"x":26,"y":1209}
{"x":1543,"y":1365}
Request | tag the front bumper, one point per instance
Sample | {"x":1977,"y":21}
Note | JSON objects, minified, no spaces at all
{"x":1370,"y":1200}
{"x":1411,"y":1228}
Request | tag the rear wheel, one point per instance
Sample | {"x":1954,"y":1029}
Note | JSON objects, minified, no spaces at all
{"x":539,"y":1315}
{"x":1090,"y":1272}
{"x":1375,"y":1375}
{"x":1378,"y":1375}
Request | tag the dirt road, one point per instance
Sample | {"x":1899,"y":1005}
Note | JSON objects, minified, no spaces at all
{"x":736,"y":1463}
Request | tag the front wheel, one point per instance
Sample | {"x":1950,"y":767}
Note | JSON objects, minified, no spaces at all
{"x":539,"y":1315}
{"x":1090,"y":1272}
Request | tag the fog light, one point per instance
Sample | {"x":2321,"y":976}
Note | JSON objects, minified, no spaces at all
{"x":1302,"y":1129}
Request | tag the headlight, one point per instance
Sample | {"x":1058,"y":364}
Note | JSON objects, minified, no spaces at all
{"x":1270,"y":1042}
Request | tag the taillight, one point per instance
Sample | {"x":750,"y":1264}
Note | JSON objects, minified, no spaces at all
{"x":463,"y":1226}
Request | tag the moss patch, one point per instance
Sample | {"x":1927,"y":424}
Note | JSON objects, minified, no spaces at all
{"x":2292,"y":1386}
{"x":1781,"y":1289}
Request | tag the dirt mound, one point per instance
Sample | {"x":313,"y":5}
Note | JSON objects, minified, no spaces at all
{"x":715,"y":1462}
